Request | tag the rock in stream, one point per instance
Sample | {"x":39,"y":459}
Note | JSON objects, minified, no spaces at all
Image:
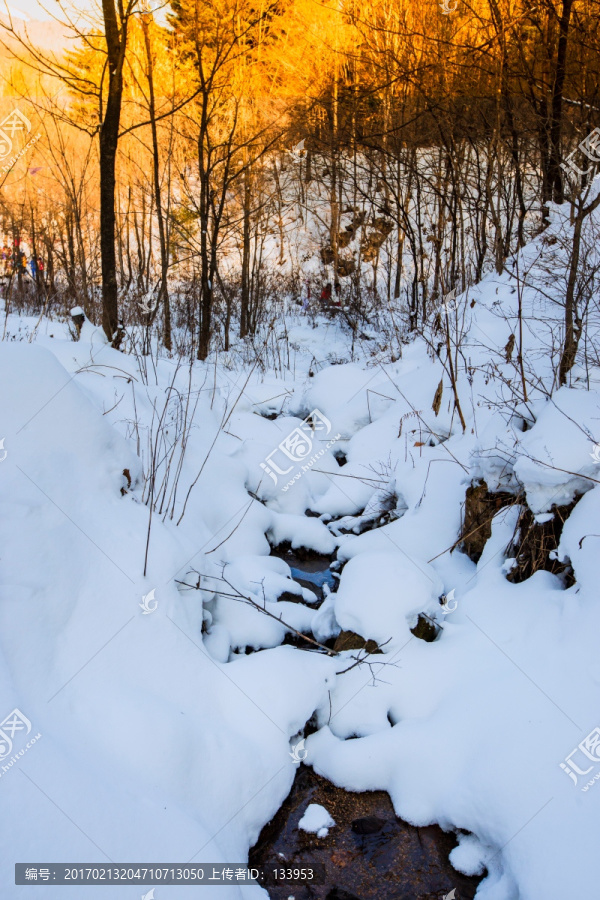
{"x":370,"y":854}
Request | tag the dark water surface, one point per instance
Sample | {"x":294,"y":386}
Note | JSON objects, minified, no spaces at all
{"x":370,"y":854}
{"x":311,"y":570}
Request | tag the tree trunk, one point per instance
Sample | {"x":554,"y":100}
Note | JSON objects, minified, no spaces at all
{"x":163,"y":291}
{"x":572,"y":325}
{"x":554,"y":171}
{"x":245,"y":299}
{"x":109,"y":139}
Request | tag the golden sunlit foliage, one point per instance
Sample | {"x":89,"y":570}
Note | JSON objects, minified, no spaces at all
{"x":209,"y":97}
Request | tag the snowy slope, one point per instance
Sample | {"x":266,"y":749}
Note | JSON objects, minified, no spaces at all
{"x":150,"y":749}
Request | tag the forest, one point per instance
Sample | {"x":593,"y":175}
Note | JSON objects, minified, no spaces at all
{"x":299,"y":449}
{"x":199,"y":162}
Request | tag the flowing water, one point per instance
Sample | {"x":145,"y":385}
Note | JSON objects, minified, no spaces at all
{"x":310,"y":569}
{"x":370,"y":854}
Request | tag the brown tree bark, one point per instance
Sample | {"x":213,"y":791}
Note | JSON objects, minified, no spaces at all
{"x":555,"y":176}
{"x":163,"y":290}
{"x":115,"y":29}
{"x":573,"y":327}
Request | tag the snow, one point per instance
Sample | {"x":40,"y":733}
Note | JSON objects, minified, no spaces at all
{"x":316,"y":820}
{"x":364,"y":603}
{"x":121,"y":698}
{"x":165,"y":732}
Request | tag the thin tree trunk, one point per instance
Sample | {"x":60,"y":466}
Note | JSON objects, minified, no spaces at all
{"x":116,"y":38}
{"x":245,"y":299}
{"x":163,"y":291}
{"x":572,"y":322}
{"x":554,"y":171}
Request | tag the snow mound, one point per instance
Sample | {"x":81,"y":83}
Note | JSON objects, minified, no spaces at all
{"x":316,"y":820}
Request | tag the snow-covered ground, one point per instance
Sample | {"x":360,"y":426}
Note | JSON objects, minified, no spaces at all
{"x":166,"y":705}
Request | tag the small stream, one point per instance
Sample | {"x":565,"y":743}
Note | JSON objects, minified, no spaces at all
{"x":309,"y":569}
{"x":370,"y":854}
